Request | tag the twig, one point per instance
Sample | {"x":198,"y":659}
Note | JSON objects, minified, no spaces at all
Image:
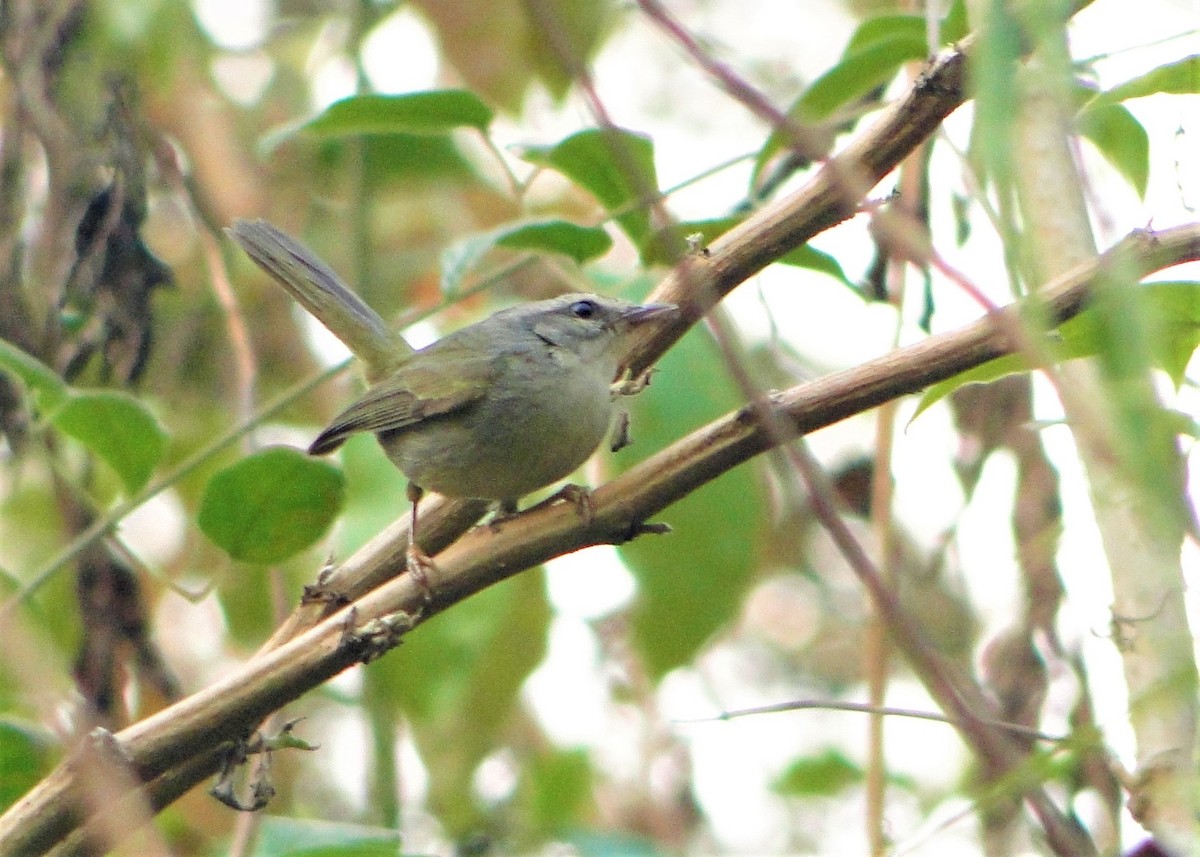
{"x":868,"y":708}
{"x":801,"y":139}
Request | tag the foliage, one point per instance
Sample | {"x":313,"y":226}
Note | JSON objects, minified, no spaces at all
{"x":132,"y":134}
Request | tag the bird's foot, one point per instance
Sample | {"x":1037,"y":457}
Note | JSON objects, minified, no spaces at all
{"x":629,"y":385}
{"x":577,"y":495}
{"x":420,"y":565}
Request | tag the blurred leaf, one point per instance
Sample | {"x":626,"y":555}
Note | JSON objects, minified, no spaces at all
{"x":119,"y":429}
{"x":462,"y":257}
{"x":888,"y":29}
{"x":825,"y":775}
{"x":1172,"y":315}
{"x":956,"y":24}
{"x":375,"y":493}
{"x":813,"y":259}
{"x":295,"y":837}
{"x":1121,"y":139}
{"x":271,"y":505}
{"x":415,"y":159}
{"x":31,"y":532}
{"x":416,"y":113}
{"x":394,"y":159}
{"x":457,"y":679}
{"x":991,"y":371}
{"x":960,"y":205}
{"x":692,"y":581}
{"x":993,"y":83}
{"x":130,"y":23}
{"x":1176,"y":78}
{"x":859,"y":73}
{"x":557,"y":785}
{"x":499,"y":48}
{"x":581,"y":25}
{"x":615,"y":166}
{"x":1125,"y":321}
{"x":24,"y":759}
{"x":33,"y":373}
{"x":1175,"y":324}
{"x":581,"y":243}
{"x":875,"y":53}
{"x":248,"y":604}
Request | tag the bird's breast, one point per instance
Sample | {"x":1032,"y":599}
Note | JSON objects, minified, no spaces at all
{"x":541,"y":419}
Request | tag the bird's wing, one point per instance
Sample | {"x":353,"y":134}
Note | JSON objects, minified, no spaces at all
{"x":433,"y":382}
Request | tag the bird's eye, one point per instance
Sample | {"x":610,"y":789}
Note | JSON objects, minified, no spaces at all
{"x":583,"y":309}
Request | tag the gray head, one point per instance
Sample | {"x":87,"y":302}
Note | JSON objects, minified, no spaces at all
{"x":584,"y":323}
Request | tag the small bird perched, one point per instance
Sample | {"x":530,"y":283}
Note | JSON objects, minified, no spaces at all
{"x":504,"y":406}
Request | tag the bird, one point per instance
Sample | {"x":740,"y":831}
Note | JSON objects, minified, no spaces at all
{"x":502,"y":407}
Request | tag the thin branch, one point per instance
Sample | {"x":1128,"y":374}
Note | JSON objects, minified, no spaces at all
{"x":803,"y":140}
{"x":698,"y":284}
{"x":882,"y":710}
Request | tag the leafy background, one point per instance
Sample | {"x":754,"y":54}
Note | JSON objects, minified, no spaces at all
{"x":441,"y":156}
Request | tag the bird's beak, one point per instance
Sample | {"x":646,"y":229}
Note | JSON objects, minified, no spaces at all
{"x":639,"y":315}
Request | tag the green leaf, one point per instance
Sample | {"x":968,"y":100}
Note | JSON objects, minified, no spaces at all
{"x":556,"y":786}
{"x":715,"y":530}
{"x":433,"y":112}
{"x":271,"y":505}
{"x":33,"y":373}
{"x":581,"y":243}
{"x":295,"y":837}
{"x":422,"y":120}
{"x":816,"y":260}
{"x":885,"y":29}
{"x":825,"y":775}
{"x":615,"y":166}
{"x":993,"y":370}
{"x":955,"y":25}
{"x":1125,"y":320}
{"x":992,"y":81}
{"x":858,"y":73}
{"x":875,"y":53}
{"x":1121,"y":139}
{"x":1177,"y":78}
{"x":1174,"y":325}
{"x":24,"y":759}
{"x":119,"y":429}
{"x":375,"y":493}
{"x":1171,"y":313}
{"x":412,"y":159}
{"x":499,"y":49}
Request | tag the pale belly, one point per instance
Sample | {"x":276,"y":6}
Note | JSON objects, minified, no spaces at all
{"x":503,"y":449}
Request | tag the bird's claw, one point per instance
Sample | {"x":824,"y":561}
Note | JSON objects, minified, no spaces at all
{"x":420,"y":566}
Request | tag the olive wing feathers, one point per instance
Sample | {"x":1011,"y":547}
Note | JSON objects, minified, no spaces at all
{"x":434,"y":382}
